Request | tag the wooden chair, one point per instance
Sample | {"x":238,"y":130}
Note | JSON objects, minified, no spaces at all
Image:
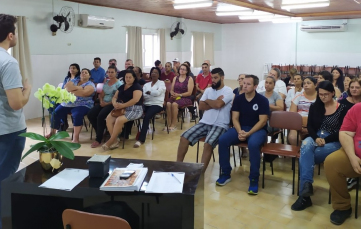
{"x":73,"y":219}
{"x":284,"y":120}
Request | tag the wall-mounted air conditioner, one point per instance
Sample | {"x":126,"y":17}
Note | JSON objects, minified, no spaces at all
{"x":323,"y":28}
{"x":86,"y":20}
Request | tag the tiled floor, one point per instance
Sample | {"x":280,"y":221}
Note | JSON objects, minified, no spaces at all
{"x":229,"y":206}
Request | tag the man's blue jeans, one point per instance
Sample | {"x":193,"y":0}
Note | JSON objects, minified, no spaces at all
{"x":11,"y":148}
{"x":312,"y":154}
{"x":255,"y":142}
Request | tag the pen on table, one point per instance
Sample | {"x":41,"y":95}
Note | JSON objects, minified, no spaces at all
{"x":176,"y":178}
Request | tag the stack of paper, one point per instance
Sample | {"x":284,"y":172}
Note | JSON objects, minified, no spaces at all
{"x":133,"y":183}
{"x":66,"y":179}
{"x":166,"y":182}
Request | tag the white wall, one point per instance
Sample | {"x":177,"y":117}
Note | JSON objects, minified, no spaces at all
{"x":52,"y":55}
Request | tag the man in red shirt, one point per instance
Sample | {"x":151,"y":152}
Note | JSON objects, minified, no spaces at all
{"x":203,"y":81}
{"x":345,"y":162}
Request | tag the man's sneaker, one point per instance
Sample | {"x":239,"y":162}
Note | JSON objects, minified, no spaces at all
{"x":301,"y":203}
{"x":351,"y":183}
{"x":253,"y":187}
{"x":223,"y":180}
{"x":338,"y":217}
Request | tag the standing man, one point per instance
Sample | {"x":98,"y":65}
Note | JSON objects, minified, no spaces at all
{"x":203,"y":81}
{"x":250,"y":113}
{"x":280,"y":86}
{"x":14,"y":95}
{"x":97,"y":73}
{"x":216,"y":103}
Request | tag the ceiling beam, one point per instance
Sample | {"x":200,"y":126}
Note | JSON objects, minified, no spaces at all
{"x":257,"y":7}
{"x":339,"y":13}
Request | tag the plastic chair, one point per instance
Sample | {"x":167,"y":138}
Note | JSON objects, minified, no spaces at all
{"x":284,"y":120}
{"x":73,"y":219}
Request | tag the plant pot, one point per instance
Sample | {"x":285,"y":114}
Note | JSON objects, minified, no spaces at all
{"x":46,"y":156}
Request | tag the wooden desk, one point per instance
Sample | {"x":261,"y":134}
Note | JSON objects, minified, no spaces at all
{"x":25,"y":205}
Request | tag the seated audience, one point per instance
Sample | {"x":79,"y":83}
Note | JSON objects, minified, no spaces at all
{"x":193,"y":98}
{"x":274,"y":99}
{"x":280,"y":85}
{"x":345,"y":162}
{"x":297,"y":81}
{"x":129,"y":97}
{"x":203,"y":81}
{"x":337,"y":79}
{"x":84,"y":91}
{"x":97,"y":73}
{"x":216,"y":103}
{"x":159,"y":65}
{"x":346,"y":84}
{"x":209,"y":66}
{"x":99,"y":112}
{"x":290,"y":78}
{"x":250,"y":112}
{"x":182,"y":88}
{"x":190,"y":71}
{"x":239,"y":90}
{"x":73,"y":73}
{"x":128,"y":63}
{"x":138,"y":72}
{"x":301,"y":104}
{"x":176,"y":65}
{"x":324,"y":122}
{"x":153,"y":94}
{"x":167,"y":76}
{"x":325,"y":75}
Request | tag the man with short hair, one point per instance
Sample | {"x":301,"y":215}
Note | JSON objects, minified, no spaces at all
{"x":216,"y":103}
{"x":97,"y":73}
{"x":345,"y":162}
{"x":128,"y":63}
{"x":250,"y":113}
{"x":203,"y":81}
{"x":209,"y":66}
{"x":280,"y":86}
{"x":159,"y":65}
{"x":14,"y":95}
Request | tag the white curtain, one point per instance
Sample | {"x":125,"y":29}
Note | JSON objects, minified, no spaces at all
{"x":198,"y":49}
{"x":209,"y":47}
{"x":161,"y":38}
{"x":21,"y":51}
{"x":135,"y":46}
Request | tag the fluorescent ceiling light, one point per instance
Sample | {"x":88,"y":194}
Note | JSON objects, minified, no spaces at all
{"x":305,"y":5}
{"x":276,"y":16}
{"x":255,"y":17}
{"x":302,"y":1}
{"x":234,"y":13}
{"x":199,"y":4}
{"x":229,"y":7}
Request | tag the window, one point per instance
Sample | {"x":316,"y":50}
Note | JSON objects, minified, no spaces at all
{"x":150,"y":49}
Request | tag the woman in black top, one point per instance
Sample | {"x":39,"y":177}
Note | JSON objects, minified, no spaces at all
{"x":338,"y":79}
{"x":324,"y":122}
{"x":129,"y":97}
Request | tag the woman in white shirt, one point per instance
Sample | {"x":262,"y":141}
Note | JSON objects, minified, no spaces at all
{"x":301,"y":104}
{"x":153,"y":93}
{"x":291,"y":94}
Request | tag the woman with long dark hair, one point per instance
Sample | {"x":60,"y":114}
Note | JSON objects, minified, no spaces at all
{"x":346,"y":84}
{"x":74,"y":72}
{"x":324,"y":122}
{"x":338,"y":79}
{"x":325,"y":75}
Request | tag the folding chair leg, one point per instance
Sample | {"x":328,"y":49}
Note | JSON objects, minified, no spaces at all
{"x":264,"y":168}
{"x":272,"y":167}
{"x":239,"y":154}
{"x":234,"y":157}
{"x":197,"y":151}
{"x":357,"y":189}
{"x":319,"y":169}
{"x":298,"y":178}
{"x":124,"y":130}
{"x":293,"y":178}
{"x":91,"y":133}
{"x":214,"y":160}
{"x":153,"y":128}
{"x":84,"y":123}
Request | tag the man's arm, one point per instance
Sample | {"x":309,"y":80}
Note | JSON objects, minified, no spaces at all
{"x":216,"y":104}
{"x":18,"y":97}
{"x":260,"y":124}
{"x":235,"y":121}
{"x":346,"y":140}
{"x":204,"y":106}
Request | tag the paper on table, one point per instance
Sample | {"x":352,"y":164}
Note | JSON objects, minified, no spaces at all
{"x":164,"y":182}
{"x":135,"y":166}
{"x":66,"y":179}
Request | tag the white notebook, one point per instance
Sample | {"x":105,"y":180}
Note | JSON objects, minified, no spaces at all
{"x":133,"y":183}
{"x":166,"y":182}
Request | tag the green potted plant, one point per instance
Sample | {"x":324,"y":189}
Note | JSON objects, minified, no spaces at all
{"x":51,"y":151}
